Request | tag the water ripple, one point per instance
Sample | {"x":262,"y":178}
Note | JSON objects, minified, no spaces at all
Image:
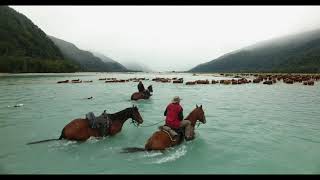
{"x":250,"y":128}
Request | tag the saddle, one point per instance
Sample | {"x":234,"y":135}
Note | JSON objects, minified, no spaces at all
{"x":173,"y":133}
{"x":102,"y":122}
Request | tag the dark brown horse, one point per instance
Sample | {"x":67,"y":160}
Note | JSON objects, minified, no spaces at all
{"x":161,"y":140}
{"x":80,"y":130}
{"x":140,"y":95}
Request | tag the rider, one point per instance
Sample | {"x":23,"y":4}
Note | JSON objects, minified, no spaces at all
{"x":141,"y":87}
{"x":143,"y":90}
{"x":174,"y":117}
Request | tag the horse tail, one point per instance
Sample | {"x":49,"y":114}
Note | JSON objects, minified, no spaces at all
{"x":132,"y":149}
{"x":36,"y":142}
{"x":47,"y":140}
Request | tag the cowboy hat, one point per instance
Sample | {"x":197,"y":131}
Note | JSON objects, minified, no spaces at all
{"x":176,"y":99}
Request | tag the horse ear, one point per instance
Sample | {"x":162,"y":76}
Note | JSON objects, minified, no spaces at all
{"x":196,"y":105}
{"x":201,"y":106}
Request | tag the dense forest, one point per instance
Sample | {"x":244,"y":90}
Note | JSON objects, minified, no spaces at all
{"x":26,"y":48}
{"x":297,"y":53}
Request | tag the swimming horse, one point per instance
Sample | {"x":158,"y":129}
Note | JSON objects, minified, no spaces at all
{"x":82,"y":129}
{"x":142,"y":94}
{"x":162,"y":139}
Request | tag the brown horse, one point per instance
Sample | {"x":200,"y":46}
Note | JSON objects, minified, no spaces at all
{"x":140,"y":95}
{"x":80,"y":130}
{"x":161,"y":140}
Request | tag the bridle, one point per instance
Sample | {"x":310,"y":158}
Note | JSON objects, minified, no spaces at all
{"x":134,"y":122}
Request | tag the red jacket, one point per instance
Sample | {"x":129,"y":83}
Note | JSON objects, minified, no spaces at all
{"x":174,"y":115}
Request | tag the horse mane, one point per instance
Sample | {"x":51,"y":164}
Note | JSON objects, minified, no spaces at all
{"x":190,"y":114}
{"x":118,"y":114}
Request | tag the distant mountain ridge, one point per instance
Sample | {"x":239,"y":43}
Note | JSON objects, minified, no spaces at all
{"x":86,"y":59}
{"x":103,"y":57}
{"x":115,"y":65}
{"x":24,"y":47}
{"x":293,"y":53}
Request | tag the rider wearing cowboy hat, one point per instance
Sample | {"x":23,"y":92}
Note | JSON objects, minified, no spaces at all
{"x":174,"y":117}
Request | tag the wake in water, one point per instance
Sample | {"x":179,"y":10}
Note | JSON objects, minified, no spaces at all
{"x":172,"y":156}
{"x":66,"y":143}
{"x":17,"y":105}
{"x":62,"y":143}
{"x":93,"y":139}
{"x":152,"y":154}
{"x":159,"y":157}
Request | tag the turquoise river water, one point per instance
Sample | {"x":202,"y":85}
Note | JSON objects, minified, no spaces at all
{"x":250,"y":129}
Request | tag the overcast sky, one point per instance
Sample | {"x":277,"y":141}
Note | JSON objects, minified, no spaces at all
{"x":169,"y":38}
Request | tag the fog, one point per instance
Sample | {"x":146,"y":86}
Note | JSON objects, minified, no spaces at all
{"x":167,"y":38}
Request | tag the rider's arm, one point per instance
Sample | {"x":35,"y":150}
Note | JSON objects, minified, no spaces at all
{"x":181,"y":115}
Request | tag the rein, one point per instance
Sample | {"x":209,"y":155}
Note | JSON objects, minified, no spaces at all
{"x":137,"y":125}
{"x":153,"y":124}
{"x":199,"y":124}
{"x":134,"y":123}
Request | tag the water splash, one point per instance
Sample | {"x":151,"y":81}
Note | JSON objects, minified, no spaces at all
{"x":152,"y":154}
{"x":93,"y":140}
{"x":181,"y":151}
{"x":17,"y":105}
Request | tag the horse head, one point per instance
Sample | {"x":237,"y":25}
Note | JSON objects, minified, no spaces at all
{"x":135,"y":114}
{"x":200,"y":114}
{"x":197,"y":115}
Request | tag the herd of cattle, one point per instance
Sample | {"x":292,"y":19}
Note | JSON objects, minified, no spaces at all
{"x":268,"y":79}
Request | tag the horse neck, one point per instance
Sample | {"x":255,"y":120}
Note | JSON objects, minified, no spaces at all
{"x":120,"y":116}
{"x":192,"y":118}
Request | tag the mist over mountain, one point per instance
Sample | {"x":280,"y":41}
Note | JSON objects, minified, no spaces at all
{"x":293,"y":53}
{"x":136,"y":66}
{"x":87,"y":60}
